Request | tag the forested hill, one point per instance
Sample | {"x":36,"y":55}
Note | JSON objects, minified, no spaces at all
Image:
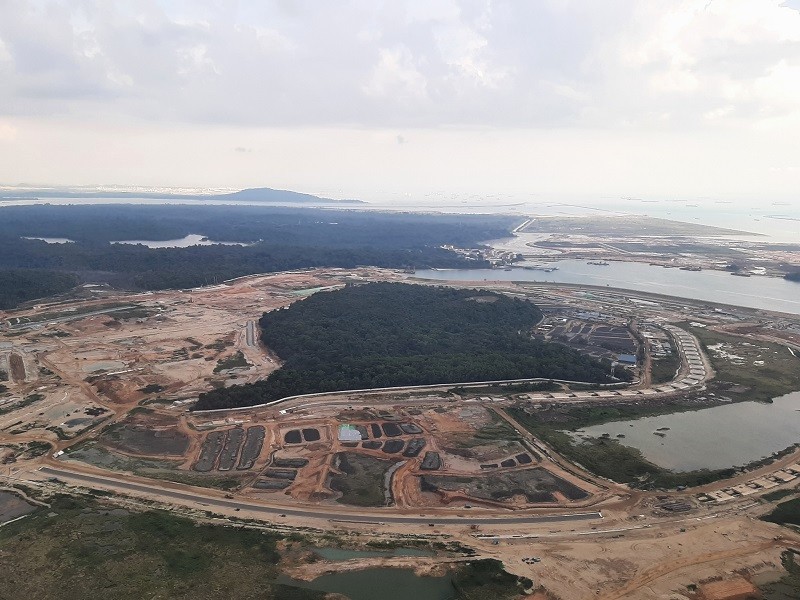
{"x":393,"y":334}
{"x":18,"y":286}
{"x":277,"y":239}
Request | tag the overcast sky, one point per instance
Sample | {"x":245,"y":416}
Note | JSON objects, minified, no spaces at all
{"x":591,"y":98}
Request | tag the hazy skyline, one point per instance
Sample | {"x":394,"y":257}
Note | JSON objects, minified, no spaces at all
{"x":358,"y":99}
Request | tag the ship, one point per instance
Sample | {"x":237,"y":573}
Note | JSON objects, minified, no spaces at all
{"x":598,"y":263}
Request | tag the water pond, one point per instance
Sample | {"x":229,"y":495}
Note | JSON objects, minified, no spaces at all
{"x":711,"y":438}
{"x":394,"y":584}
{"x":190,"y":240}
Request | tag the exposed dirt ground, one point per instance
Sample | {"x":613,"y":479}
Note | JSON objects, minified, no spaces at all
{"x":123,"y":384}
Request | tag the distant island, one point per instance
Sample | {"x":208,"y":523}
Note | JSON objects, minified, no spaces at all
{"x":247,"y":195}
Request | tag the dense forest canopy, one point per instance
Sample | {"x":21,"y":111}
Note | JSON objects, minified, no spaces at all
{"x":285,"y":238}
{"x":19,"y":285}
{"x":393,"y":334}
{"x":273,"y":225}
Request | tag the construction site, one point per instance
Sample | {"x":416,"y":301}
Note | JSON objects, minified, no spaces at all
{"x":98,"y":392}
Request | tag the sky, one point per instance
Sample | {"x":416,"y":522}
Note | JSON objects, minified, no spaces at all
{"x":363,"y":99}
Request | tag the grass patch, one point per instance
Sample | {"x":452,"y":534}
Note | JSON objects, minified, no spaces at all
{"x":789,"y":585}
{"x":487,"y":580}
{"x":777,"y":495}
{"x":361,"y":483}
{"x":786,"y":513}
{"x":234,"y":361}
{"x":743,"y":378}
{"x":663,"y":369}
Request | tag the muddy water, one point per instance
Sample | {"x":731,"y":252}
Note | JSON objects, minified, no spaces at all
{"x":394,"y":584}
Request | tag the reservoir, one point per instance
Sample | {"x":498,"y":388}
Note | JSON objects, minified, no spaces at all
{"x":767,"y":293}
{"x":190,"y":240}
{"x":394,"y":584}
{"x":712,"y":438}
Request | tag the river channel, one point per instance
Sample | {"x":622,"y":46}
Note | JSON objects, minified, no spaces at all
{"x":767,"y":293}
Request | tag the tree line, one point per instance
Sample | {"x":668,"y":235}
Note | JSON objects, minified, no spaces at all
{"x":278,"y":239}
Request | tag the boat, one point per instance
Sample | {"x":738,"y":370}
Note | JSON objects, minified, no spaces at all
{"x":691,"y":268}
{"x":598,"y":263}
{"x":738,"y":274}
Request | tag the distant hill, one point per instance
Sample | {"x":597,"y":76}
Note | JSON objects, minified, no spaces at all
{"x":246,"y":195}
{"x":270,"y":195}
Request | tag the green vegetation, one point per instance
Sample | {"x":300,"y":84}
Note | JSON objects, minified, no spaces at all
{"x":150,"y":388}
{"x":487,"y":580}
{"x":788,"y":587}
{"x":393,"y":334}
{"x":786,"y":513}
{"x":745,"y":379}
{"x":80,"y":549}
{"x":777,"y":495}
{"x":30,"y":399}
{"x":280,"y":239}
{"x":18,"y":285}
{"x":234,"y":361}
{"x":361,"y":483}
{"x":663,"y":369}
{"x":608,"y":457}
{"x":509,"y":388}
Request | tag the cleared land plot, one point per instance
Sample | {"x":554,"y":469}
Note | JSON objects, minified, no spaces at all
{"x":253,"y":443}
{"x":362,"y":481}
{"x":537,"y":485}
{"x":230,"y":450}
{"x":138,"y":439}
{"x":210,"y":450}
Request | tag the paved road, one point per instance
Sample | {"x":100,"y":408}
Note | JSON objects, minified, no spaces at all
{"x":334,"y":514}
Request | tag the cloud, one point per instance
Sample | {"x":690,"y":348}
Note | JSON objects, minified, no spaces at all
{"x":424,"y":64}
{"x":645,"y":70}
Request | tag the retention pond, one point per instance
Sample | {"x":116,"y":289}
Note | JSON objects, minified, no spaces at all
{"x":394,"y":584}
{"x":711,"y":438}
